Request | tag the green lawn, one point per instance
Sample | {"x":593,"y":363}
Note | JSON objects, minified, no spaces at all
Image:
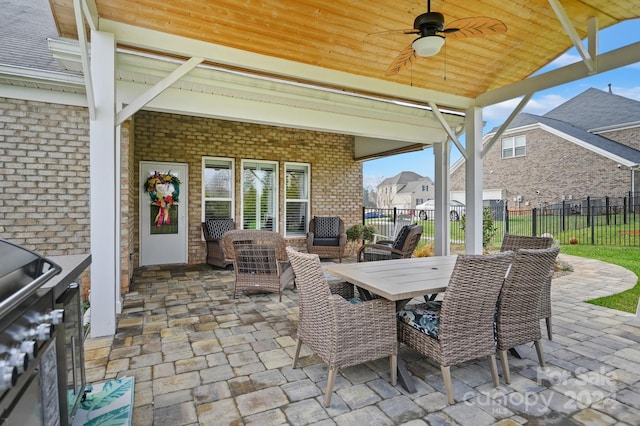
{"x":627,"y":257}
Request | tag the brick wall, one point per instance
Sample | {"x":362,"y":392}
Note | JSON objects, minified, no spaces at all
{"x":44,"y":183}
{"x":553,"y":166}
{"x":336,"y":179}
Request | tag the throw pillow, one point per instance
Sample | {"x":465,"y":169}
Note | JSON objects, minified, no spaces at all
{"x":398,"y":244}
{"x":327,"y":227}
{"x":217,"y":227}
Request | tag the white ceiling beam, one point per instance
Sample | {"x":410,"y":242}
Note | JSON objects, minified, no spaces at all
{"x":573,"y":34}
{"x":84,"y":58}
{"x":167,"y":43}
{"x":593,"y":27}
{"x":606,"y":62}
{"x":90,"y":11}
{"x":512,"y":116}
{"x":447,"y":128}
{"x":157,"y":89}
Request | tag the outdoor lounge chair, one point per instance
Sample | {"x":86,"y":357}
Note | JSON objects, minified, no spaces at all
{"x":518,"y":316}
{"x":213,"y":229}
{"x":259,"y":260}
{"x":512,"y":242}
{"x":341,"y":333}
{"x":327,"y":237}
{"x":462,"y":328}
{"x":401,"y":221}
{"x":401,"y":248}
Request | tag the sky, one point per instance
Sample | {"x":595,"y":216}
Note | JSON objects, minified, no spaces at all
{"x":624,"y":82}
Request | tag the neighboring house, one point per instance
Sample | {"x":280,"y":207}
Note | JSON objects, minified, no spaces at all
{"x":404,"y":191}
{"x":588,"y":146}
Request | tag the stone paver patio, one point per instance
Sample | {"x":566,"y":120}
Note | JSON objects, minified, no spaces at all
{"x":201,"y":357}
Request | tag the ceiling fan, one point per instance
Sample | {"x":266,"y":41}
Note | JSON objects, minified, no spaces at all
{"x":430,"y":26}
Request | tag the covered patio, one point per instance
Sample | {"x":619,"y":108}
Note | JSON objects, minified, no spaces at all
{"x":200,"y":356}
{"x":336,"y":68}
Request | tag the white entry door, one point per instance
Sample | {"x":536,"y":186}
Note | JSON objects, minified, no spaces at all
{"x":163,"y":213}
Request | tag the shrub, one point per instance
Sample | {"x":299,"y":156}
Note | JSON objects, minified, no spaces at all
{"x":360,"y":232}
{"x":424,"y":251}
{"x":489,"y":229}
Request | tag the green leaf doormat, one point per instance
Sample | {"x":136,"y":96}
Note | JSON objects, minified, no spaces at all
{"x":107,"y":404}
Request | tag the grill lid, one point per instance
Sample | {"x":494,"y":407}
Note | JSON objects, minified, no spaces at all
{"x":22,"y":272}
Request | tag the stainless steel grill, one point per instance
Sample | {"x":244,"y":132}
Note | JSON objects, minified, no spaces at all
{"x":28,"y":374}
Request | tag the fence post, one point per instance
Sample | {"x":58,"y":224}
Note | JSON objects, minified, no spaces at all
{"x":395,"y":215}
{"x":506,"y":217}
{"x":588,"y":211}
{"x":593,"y":228}
{"x":562,"y":217}
{"x":534,"y":212}
{"x":607,"y":214}
{"x":363,"y":213}
{"x":624,"y":210}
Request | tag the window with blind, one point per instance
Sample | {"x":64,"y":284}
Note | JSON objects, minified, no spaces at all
{"x":515,"y":146}
{"x":260,"y":195}
{"x":217,"y":188}
{"x":296,"y":202}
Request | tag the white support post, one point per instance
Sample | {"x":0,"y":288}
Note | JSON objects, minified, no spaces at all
{"x":104,"y":202}
{"x":473,"y":181}
{"x":442,"y":236}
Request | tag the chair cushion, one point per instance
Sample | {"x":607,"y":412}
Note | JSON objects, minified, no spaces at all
{"x":424,"y":317}
{"x":217,"y":227}
{"x":326,"y":242}
{"x":398,"y":244}
{"x":327,"y":227}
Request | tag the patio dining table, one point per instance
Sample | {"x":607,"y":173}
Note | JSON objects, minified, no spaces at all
{"x":399,"y":280}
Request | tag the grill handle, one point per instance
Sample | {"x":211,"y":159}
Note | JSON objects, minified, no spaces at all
{"x":21,"y":295}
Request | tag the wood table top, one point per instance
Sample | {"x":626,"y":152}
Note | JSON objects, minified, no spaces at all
{"x":398,"y":279}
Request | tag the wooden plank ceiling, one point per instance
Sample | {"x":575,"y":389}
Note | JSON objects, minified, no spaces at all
{"x":345,"y":35}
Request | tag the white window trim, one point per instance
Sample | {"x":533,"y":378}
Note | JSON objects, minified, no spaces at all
{"x":307,"y":200}
{"x":513,"y":146}
{"x":233,"y":186}
{"x":276,"y":215}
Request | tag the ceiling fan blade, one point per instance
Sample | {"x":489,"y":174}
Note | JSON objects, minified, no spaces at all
{"x":406,"y":57}
{"x":479,"y":26}
{"x":404,"y":31}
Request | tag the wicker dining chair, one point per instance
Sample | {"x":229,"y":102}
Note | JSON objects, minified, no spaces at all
{"x":401,"y":248}
{"x":462,"y":329}
{"x":259,"y":260}
{"x":511,"y":242}
{"x":518,"y":315}
{"x":341,"y":333}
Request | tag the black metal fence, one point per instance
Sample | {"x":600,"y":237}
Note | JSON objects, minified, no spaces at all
{"x":594,"y":220}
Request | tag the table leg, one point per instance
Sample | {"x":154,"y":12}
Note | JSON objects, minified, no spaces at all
{"x":514,"y":352}
{"x":404,"y":377}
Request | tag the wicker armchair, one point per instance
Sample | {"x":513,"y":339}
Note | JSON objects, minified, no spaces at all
{"x":213,"y":229}
{"x":342,"y":334}
{"x":327,"y":237}
{"x":259,"y":260}
{"x":518,"y":317}
{"x":512,"y":242}
{"x":464,"y":324}
{"x":401,"y":248}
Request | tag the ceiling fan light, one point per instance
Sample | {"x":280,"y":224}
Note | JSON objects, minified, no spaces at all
{"x":428,"y":45}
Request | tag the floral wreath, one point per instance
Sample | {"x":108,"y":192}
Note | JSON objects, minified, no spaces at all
{"x":160,"y":197}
